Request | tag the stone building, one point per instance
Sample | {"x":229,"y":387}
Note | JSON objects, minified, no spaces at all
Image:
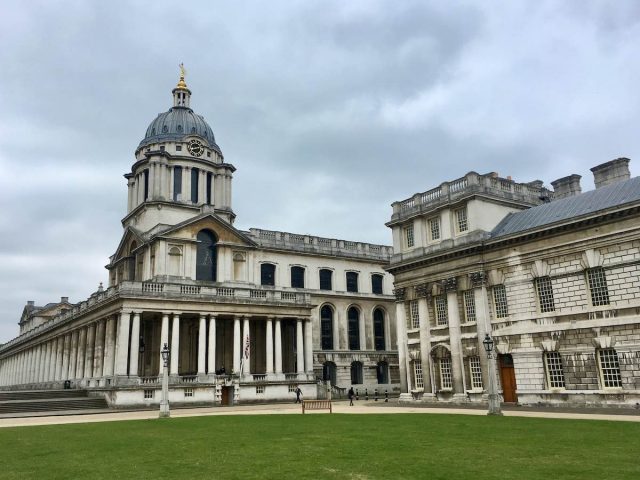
{"x":552,"y":276}
{"x":248,"y":315}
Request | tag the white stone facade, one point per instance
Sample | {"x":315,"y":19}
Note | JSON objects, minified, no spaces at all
{"x":245,"y":313}
{"x":557,"y":286}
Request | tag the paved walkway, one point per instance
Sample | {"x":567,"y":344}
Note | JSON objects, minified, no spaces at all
{"x":290,"y":408}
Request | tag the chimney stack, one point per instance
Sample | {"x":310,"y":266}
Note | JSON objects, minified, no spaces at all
{"x":64,"y":299}
{"x":611,"y":172}
{"x":30,"y":303}
{"x":566,"y":186}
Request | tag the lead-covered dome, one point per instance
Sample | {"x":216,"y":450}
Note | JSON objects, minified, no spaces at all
{"x":180,"y":121}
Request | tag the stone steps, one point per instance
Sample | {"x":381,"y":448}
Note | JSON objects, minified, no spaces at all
{"x":49,"y":401}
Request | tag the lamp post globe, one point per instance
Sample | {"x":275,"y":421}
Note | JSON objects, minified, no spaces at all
{"x":164,"y":403}
{"x":494,"y":400}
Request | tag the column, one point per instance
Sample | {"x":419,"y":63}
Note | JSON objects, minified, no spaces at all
{"x":175,"y":344}
{"x":308,"y":348}
{"x":51,"y":365}
{"x":46,"y":353}
{"x":403,"y":355}
{"x":236,"y":345}
{"x":212,"y":345}
{"x":299,"y":347}
{"x":134,"y":349}
{"x":73,"y":357}
{"x":27,"y":369}
{"x":246,"y":352}
{"x":89,"y":349}
{"x":59,"y":348}
{"x":164,"y":338}
{"x":122,"y":345}
{"x":483,"y":322}
{"x":269,"y":369}
{"x":425,"y":339}
{"x":454,"y":335}
{"x":98,"y":350}
{"x":278,"y":348}
{"x":82,"y":346}
{"x":202,"y":345}
{"x":110,"y":347}
{"x":217,"y":189}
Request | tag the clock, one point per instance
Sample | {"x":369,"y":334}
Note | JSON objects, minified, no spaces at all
{"x":195,"y":148}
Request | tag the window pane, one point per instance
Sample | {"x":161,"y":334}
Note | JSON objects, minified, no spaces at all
{"x":326,"y":328}
{"x":267,"y":274}
{"x":297,"y":277}
{"x":555,"y":372}
{"x":446,"y":381}
{"x":352,"y":282}
{"x":408,"y":236}
{"x":434,"y":228}
{"x":442,"y":315}
{"x":461,"y":220}
{"x":476,"y":372}
{"x":545,"y":294}
{"x":609,"y":368}
{"x":414,"y":313}
{"x":469,"y":306}
{"x":500,"y":301}
{"x":177,"y":183}
{"x":354,"y":329}
{"x":325,"y":279}
{"x":378,"y":329}
{"x":376,"y":283}
{"x":195,"y":173}
{"x":598,"y":286}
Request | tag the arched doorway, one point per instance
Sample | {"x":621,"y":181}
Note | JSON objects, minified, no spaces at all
{"x":329,"y":372}
{"x":206,"y":257}
{"x":356,"y":373}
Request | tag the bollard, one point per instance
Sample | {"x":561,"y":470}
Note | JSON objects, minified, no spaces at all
{"x":357,"y":395}
{"x":386,"y":396}
{"x":366,"y":394}
{"x":375,"y":394}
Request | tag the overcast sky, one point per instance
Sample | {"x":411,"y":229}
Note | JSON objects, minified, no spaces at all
{"x":330,"y":110}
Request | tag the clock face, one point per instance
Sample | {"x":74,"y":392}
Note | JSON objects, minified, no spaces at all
{"x":195,"y":148}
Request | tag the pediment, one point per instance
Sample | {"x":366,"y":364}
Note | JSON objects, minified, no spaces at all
{"x":226,"y":233}
{"x":129,"y":236}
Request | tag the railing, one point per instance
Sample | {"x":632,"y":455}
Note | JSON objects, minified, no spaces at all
{"x":291,"y":296}
{"x":259,"y":377}
{"x":258,"y":294}
{"x":290,"y":376}
{"x":188,"y":379}
{"x":149,"y":380}
{"x":225,"y":292}
{"x":152,"y":287}
{"x":190,"y":289}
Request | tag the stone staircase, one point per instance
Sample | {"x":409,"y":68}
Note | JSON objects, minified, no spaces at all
{"x":48,"y":402}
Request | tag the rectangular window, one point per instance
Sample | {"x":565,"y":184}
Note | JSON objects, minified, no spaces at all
{"x":434,"y":229}
{"x":500,"y":301}
{"x":555,"y":372}
{"x":292,"y":388}
{"x":146,"y":185}
{"x":195,"y":174}
{"x":297,"y":277}
{"x":209,"y":181}
{"x":476,"y":372}
{"x":598,"y":286}
{"x":267,"y":274}
{"x":178,"y":148}
{"x":417,"y":373}
{"x":461,"y":220}
{"x":259,"y":389}
{"x":469,"y":305}
{"x":544,"y":290}
{"x":352,"y":281}
{"x":609,"y":368}
{"x":408,"y":236}
{"x":376,"y":283}
{"x":442,"y":315}
{"x":325,"y":279}
{"x":148,"y":394}
{"x":446,"y":382}
{"x":415,"y":314}
{"x":188,"y":392}
{"x":177,"y":183}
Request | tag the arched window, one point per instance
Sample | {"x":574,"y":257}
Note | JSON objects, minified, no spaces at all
{"x":378,"y":330}
{"x":326,"y":328}
{"x":267,"y":274}
{"x":353,"y":316}
{"x":376,"y":283}
{"x":195,"y":175}
{"x":175,"y":261}
{"x":297,"y":277}
{"x":329,"y":372}
{"x":325,"y":279}
{"x":352,"y":281}
{"x":206,"y":257}
{"x":177,"y":183}
{"x":382,"y":371}
{"x":356,"y":373}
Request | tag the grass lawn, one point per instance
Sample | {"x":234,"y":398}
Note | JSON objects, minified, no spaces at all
{"x":325,"y":446}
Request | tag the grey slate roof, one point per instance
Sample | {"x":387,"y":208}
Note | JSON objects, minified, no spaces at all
{"x":602,"y":198}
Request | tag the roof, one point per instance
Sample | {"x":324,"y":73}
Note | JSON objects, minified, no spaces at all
{"x":617,"y":194}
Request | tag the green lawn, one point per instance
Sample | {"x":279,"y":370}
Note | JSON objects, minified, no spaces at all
{"x":325,"y":446}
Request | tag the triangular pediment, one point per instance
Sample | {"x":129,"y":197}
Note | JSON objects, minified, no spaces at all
{"x":130,"y":235}
{"x":226,"y":233}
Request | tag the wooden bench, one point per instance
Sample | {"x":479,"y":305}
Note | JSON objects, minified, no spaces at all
{"x":316,"y":405}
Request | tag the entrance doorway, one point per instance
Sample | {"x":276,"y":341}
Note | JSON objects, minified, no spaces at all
{"x":227,"y":395}
{"x":508,"y":378}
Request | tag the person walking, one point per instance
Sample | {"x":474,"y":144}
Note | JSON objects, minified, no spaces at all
{"x":351,"y":395}
{"x":298,"y":395}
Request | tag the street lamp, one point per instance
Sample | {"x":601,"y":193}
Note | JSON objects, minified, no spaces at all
{"x":494,"y":401}
{"x":164,"y":403}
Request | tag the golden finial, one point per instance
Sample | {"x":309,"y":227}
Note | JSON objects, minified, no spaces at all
{"x":181,"y":82}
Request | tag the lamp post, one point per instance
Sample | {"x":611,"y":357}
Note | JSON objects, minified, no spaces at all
{"x":164,"y":403}
{"x":494,"y":401}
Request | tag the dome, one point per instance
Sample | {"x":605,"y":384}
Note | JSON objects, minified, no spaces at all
{"x":176,"y":124}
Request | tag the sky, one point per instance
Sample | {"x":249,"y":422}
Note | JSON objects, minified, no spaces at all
{"x":329,"y":110}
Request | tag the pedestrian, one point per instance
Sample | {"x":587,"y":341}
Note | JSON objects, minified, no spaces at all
{"x":351,"y":395}
{"x":298,"y":395}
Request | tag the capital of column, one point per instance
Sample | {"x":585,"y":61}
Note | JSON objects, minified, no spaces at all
{"x":422,"y":291}
{"x":478,"y":279}
{"x":400,"y":294}
{"x":450,"y":284}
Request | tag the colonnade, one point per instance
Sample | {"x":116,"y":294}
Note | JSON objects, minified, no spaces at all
{"x":477,"y":281}
{"x":161,"y":185}
{"x":95,"y":353}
